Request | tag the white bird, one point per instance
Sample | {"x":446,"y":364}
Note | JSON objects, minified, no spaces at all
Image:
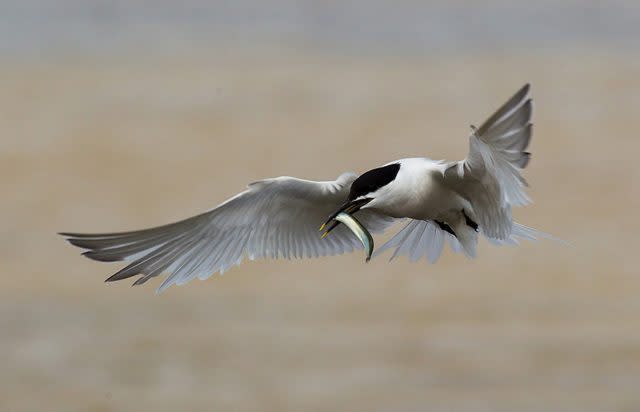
{"x":279,"y":217}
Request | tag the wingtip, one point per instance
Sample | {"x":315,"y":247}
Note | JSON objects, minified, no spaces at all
{"x":120,"y":275}
{"x":66,"y":235}
{"x":524,"y":93}
{"x":73,"y":234}
{"x":139,"y":281}
{"x":164,"y":286}
{"x":97,"y":256}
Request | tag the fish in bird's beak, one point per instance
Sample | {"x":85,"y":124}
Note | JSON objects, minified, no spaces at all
{"x":356,"y":227}
{"x":349,"y":207}
{"x":345,"y":215}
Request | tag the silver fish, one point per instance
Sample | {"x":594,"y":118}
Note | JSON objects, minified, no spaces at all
{"x":360,"y":231}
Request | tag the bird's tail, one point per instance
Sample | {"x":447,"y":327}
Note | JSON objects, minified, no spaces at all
{"x":467,"y":237}
{"x":522,"y":232}
{"x":421,"y":238}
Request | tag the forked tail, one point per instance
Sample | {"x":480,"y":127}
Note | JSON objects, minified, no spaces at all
{"x":421,"y":238}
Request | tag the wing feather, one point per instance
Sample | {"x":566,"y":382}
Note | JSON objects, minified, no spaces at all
{"x":490,"y":177}
{"x":277,"y":218}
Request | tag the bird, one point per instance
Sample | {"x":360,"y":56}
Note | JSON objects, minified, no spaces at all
{"x":439,"y":201}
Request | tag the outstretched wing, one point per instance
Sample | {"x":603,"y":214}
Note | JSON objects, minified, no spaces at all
{"x":490,"y":175}
{"x":276,"y":218}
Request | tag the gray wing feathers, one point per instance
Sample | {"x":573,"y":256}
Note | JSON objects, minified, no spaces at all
{"x":274,"y":218}
{"x":497,"y":148}
{"x":505,"y":109}
{"x":490,"y":177}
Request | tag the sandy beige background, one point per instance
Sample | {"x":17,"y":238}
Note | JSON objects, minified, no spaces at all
{"x":102,"y":144}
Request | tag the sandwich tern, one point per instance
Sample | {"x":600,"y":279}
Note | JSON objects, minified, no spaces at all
{"x":454,"y":201}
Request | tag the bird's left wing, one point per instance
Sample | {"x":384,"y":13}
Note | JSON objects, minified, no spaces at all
{"x":276,"y":218}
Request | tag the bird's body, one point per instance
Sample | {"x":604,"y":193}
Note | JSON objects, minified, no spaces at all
{"x":278,"y":218}
{"x":417,"y":192}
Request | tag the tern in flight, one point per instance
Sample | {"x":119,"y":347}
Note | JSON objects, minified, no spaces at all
{"x":454,"y":201}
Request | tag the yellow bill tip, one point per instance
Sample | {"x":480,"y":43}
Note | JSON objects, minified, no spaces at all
{"x":324,"y":235}
{"x":322,"y":227}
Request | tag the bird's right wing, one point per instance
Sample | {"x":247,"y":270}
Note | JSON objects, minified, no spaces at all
{"x":490,"y":175}
{"x":277,"y":218}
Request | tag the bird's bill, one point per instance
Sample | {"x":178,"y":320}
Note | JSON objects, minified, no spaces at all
{"x":360,"y":231}
{"x":349,"y":207}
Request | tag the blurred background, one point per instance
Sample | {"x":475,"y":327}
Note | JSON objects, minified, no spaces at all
{"x":118,"y":115}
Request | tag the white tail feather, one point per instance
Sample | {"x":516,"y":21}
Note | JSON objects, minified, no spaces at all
{"x":424,"y":238}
